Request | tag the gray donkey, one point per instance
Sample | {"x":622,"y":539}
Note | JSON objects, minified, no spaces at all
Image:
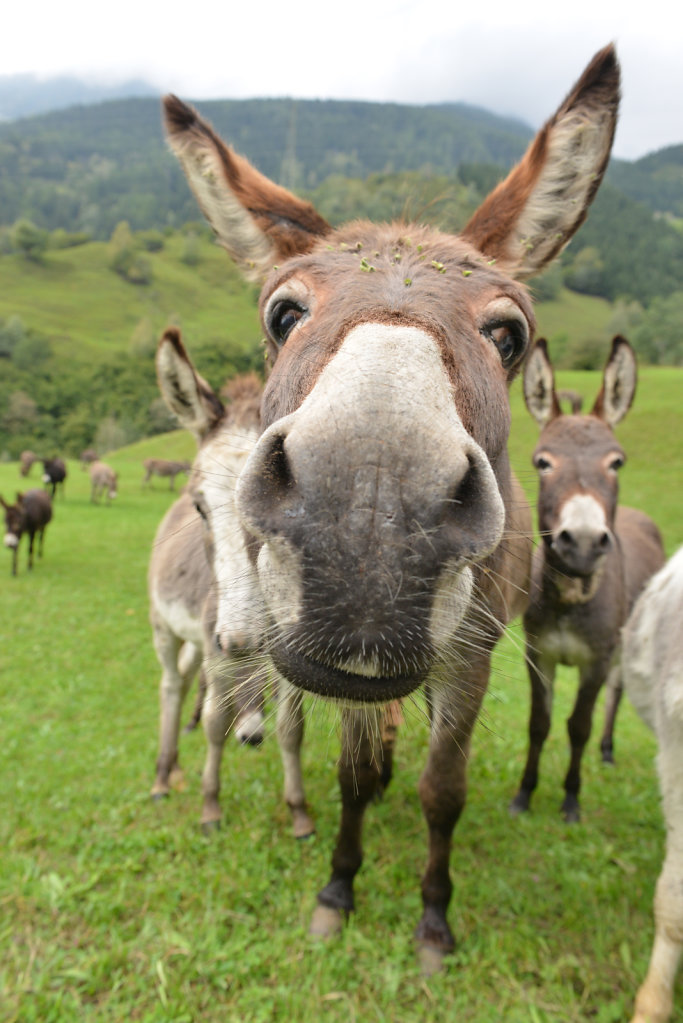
{"x":593,"y":560}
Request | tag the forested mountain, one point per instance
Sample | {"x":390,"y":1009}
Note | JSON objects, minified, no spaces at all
{"x":87,"y":168}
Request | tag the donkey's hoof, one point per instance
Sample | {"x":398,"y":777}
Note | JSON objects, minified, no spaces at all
{"x":304,"y":829}
{"x":210,"y":827}
{"x":326,"y":922}
{"x":431,"y":959}
{"x":157,"y":795}
{"x":520,"y":804}
{"x":571,"y":812}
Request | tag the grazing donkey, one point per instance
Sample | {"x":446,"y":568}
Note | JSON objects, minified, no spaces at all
{"x":388,"y":534}
{"x":162,"y":467}
{"x":652,"y":671}
{"x":183,"y":615}
{"x":103,"y":480}
{"x":30,"y":514}
{"x":54,"y":474}
{"x":593,"y":561}
{"x":27,"y":459}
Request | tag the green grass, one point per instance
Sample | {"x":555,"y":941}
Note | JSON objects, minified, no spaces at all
{"x":87,"y":310}
{"x":114,"y":908}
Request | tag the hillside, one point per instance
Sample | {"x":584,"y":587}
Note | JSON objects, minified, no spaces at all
{"x":87,"y":168}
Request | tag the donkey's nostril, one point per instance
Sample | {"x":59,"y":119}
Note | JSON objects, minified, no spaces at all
{"x":566,"y":537}
{"x":605,"y":542}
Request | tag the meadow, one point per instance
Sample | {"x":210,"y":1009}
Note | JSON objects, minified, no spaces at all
{"x":114,"y":907}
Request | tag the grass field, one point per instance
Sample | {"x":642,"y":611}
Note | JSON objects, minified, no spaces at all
{"x":115,"y":908}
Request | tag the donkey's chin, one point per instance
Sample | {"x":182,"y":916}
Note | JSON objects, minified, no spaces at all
{"x":338,"y":683}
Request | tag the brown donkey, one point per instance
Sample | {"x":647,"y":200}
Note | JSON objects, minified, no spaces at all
{"x":388,"y":535}
{"x":593,"y":559}
{"x":31,"y":514}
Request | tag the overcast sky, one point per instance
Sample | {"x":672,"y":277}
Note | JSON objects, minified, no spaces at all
{"x":517,"y":58}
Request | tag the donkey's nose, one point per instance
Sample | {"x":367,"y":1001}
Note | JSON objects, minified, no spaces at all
{"x":581,"y":549}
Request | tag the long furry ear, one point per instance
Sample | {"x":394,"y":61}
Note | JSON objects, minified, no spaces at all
{"x":539,"y":385}
{"x":258,"y":222}
{"x":529,"y":218}
{"x":618,"y":383}
{"x":187,"y":394}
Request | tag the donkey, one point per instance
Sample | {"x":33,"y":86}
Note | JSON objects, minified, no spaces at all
{"x":162,"y":467}
{"x":593,"y":561}
{"x":652,"y":670}
{"x":31,"y":514}
{"x":183,"y":615}
{"x":54,"y":474}
{"x":27,"y":460}
{"x":103,"y":480}
{"x":389,"y":537}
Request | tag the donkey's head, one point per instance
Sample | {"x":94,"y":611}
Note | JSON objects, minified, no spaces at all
{"x":15,"y":521}
{"x":382,"y":481}
{"x":578,"y":457}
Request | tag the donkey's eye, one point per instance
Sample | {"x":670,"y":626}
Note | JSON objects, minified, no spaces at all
{"x":542,"y":463}
{"x":616,"y":462}
{"x":284,"y":317}
{"x":509,"y":337}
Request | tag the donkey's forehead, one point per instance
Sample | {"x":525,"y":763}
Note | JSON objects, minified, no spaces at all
{"x":401,"y":267}
{"x":584,"y":436}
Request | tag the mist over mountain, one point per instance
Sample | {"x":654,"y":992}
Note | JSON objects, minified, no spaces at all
{"x":25,"y":95}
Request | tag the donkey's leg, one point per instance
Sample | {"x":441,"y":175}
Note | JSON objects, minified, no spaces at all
{"x":359,"y":770}
{"x":392,"y":718}
{"x":443,"y":790}
{"x":217,"y":719}
{"x":290,"y":732}
{"x":172,"y":690}
{"x":198,"y":704}
{"x":31,"y":538}
{"x":41,"y":541}
{"x":613,"y":696}
{"x":654,"y":1001}
{"x":542,"y":679}
{"x":579,"y":726}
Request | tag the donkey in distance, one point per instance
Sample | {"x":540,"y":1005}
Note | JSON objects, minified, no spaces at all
{"x":389,"y":537}
{"x":593,"y":560}
{"x":30,"y":514}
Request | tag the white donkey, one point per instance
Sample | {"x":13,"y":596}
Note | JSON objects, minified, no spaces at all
{"x":652,"y":666}
{"x":183,"y":606}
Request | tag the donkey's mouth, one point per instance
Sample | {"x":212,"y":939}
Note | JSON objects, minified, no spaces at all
{"x":337,"y":684}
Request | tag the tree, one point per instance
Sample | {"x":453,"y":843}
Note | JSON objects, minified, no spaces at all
{"x":21,"y":414}
{"x":30,"y":240}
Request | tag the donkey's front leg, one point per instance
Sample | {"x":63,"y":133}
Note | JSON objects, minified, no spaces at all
{"x":541,"y":679}
{"x":290,"y":733}
{"x":579,"y":728}
{"x":443,"y":789}
{"x":359,"y":773}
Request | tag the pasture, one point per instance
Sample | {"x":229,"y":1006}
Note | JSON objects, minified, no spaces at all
{"x":114,"y":907}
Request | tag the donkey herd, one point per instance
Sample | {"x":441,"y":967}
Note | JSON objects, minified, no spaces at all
{"x":355,"y":529}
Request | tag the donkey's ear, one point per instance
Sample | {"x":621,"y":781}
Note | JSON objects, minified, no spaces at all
{"x":257,"y":221}
{"x":187,"y":395}
{"x":618,"y":383}
{"x":539,"y":385}
{"x":529,"y":218}
{"x":3,"y":502}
